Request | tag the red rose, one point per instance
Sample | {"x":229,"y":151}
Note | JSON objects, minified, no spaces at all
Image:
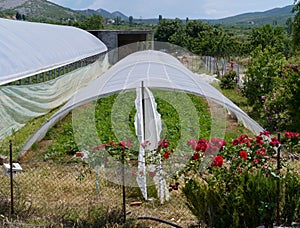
{"x":261,"y":152}
{"x":127,"y":143}
{"x":266,"y":133}
{"x":274,"y":142}
{"x":196,"y":156}
{"x":122,"y":144}
{"x":191,"y":143}
{"x":243,"y":154}
{"x":217,"y":161}
{"x":288,"y":134}
{"x":259,"y":140}
{"x":198,"y":148}
{"x":151,"y":174}
{"x":166,"y":155}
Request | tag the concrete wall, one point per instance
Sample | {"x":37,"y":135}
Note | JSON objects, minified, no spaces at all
{"x":120,"y":43}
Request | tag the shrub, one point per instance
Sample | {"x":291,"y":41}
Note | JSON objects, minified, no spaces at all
{"x":291,"y":197}
{"x":228,"y":81}
{"x":244,"y":201}
{"x":238,"y":187}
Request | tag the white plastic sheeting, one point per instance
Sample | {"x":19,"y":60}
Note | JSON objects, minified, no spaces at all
{"x":19,"y":104}
{"x":148,"y":127}
{"x":157,"y":70}
{"x":28,"y":48}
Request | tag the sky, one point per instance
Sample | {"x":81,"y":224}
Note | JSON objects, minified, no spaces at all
{"x":193,"y":9}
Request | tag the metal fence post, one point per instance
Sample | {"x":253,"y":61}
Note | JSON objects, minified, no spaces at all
{"x":278,"y":183}
{"x":11,"y":179}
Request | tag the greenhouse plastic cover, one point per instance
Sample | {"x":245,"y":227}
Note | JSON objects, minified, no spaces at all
{"x":156,"y":70}
{"x":21,"y":103}
{"x":28,"y":48}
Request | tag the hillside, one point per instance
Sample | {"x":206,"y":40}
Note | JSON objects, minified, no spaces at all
{"x":37,"y":10}
{"x":276,"y":16}
{"x":105,"y":14}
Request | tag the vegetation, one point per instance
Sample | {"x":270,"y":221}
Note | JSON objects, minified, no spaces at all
{"x":227,"y":182}
{"x":240,"y":186}
{"x":228,"y":81}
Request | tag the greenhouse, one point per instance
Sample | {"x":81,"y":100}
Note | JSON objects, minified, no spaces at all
{"x":42,"y":65}
{"x":156,"y":70}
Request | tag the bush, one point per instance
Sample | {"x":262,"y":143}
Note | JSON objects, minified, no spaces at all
{"x":237,"y":187}
{"x":228,"y":81}
{"x":245,"y":201}
{"x":291,"y":198}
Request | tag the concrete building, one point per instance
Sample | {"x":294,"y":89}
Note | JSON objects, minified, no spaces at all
{"x":120,"y":43}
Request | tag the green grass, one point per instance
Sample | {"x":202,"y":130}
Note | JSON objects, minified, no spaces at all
{"x":184,"y":116}
{"x":20,"y":137}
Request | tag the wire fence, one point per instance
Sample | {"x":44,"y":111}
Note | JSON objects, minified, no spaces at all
{"x":213,"y":66}
{"x":48,"y":194}
{"x":221,"y":67}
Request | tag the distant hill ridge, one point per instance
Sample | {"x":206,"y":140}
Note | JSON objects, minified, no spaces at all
{"x":38,"y":9}
{"x":104,"y":13}
{"x":278,"y":15}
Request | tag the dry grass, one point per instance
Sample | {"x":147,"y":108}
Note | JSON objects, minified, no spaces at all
{"x":48,"y":192}
{"x":53,"y":190}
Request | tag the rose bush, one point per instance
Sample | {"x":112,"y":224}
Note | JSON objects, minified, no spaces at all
{"x":239,"y":186}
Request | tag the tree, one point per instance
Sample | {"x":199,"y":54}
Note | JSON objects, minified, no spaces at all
{"x":92,"y":23}
{"x":197,"y":39}
{"x":265,"y":68}
{"x":289,"y":26}
{"x":159,"y":18}
{"x":281,"y":105}
{"x":193,"y":28}
{"x":18,"y":16}
{"x":166,"y":28}
{"x":130,"y":20}
{"x":268,"y":35}
{"x":296,"y":27}
{"x":118,"y":20}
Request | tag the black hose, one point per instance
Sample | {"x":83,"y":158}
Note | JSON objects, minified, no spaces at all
{"x":159,"y":220}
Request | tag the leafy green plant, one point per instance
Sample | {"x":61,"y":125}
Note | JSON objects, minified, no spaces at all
{"x":239,"y":186}
{"x":265,"y":67}
{"x":243,"y":200}
{"x":228,"y":81}
{"x":291,"y":198}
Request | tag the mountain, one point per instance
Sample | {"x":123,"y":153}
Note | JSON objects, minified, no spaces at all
{"x":37,"y":9}
{"x":119,"y":14}
{"x":102,"y":12}
{"x":88,"y":12}
{"x":105,"y":14}
{"x":276,"y":16}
